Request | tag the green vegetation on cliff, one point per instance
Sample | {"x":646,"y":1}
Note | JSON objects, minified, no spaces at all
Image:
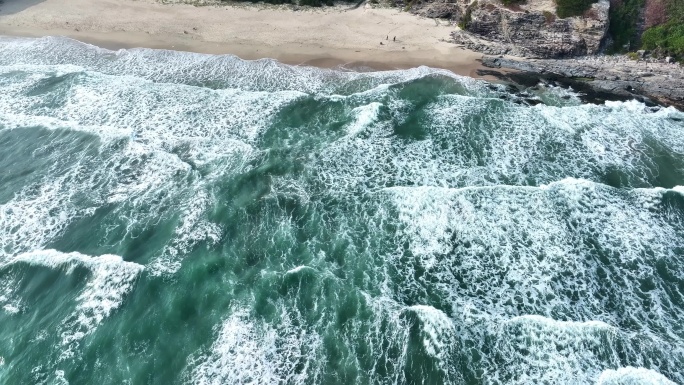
{"x":467,"y":16}
{"x":623,"y":24}
{"x":663,"y":19}
{"x":312,"y":3}
{"x":569,"y":8}
{"x":668,"y":38}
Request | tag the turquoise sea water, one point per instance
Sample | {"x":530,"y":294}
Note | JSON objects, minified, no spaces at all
{"x":176,"y":218}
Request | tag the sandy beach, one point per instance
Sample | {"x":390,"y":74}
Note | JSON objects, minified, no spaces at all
{"x":323,"y":37}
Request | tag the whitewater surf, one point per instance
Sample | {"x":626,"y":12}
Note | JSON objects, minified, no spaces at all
{"x":180,"y":218}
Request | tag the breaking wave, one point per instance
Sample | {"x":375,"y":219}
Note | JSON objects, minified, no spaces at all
{"x":230,"y":221}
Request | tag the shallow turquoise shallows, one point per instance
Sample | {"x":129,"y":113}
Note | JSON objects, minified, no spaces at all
{"x":178,"y":218}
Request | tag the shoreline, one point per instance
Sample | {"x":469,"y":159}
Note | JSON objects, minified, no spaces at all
{"x":326,"y":38}
{"x":359,"y":39}
{"x":599,"y":78}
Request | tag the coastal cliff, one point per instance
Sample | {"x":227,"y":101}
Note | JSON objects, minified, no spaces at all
{"x":565,"y":42}
{"x":543,"y":46}
{"x":532,"y":30}
{"x":552,"y":29}
{"x":545,"y":29}
{"x":609,"y":77}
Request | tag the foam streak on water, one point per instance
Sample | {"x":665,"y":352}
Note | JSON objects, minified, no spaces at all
{"x":179,"y":218}
{"x":110,"y":280}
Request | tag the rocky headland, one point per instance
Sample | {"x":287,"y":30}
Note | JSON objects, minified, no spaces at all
{"x":528,"y":40}
{"x":532,"y":30}
{"x":600,"y":77}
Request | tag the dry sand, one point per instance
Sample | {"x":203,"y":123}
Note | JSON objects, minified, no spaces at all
{"x":323,"y":37}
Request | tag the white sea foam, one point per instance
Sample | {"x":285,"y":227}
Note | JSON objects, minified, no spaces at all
{"x":110,"y":281}
{"x":10,"y":308}
{"x":247,"y":352}
{"x":193,"y":68}
{"x":496,"y":251}
{"x":159,"y":116}
{"x":503,"y":220}
{"x":364,"y":116}
{"x":635,"y":106}
{"x":467,"y":141}
{"x":169,"y":131}
{"x":10,"y":302}
{"x":438,"y":331}
{"x":60,"y":379}
{"x":557,"y":96}
{"x":193,"y":228}
{"x":298,"y":269}
{"x":290,"y":350}
{"x":554,"y":324}
{"x":679,"y":189}
{"x":472,"y":228}
{"x":542,"y":349}
{"x":35,"y":216}
{"x":632,"y":376}
{"x":291,"y":188}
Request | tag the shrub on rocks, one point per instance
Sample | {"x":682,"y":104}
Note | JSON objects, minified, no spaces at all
{"x":570,"y":8}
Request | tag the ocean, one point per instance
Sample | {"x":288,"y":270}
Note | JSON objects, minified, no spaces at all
{"x":179,"y":218}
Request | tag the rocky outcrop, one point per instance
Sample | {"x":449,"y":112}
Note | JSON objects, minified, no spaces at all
{"x":439,"y":9}
{"x":649,"y":81}
{"x":533,"y":31}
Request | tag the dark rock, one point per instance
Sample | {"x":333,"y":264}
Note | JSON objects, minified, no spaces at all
{"x":496,"y":30}
{"x":442,"y":11}
{"x":596,"y":78}
{"x":533,"y":102}
{"x":439,"y":9}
